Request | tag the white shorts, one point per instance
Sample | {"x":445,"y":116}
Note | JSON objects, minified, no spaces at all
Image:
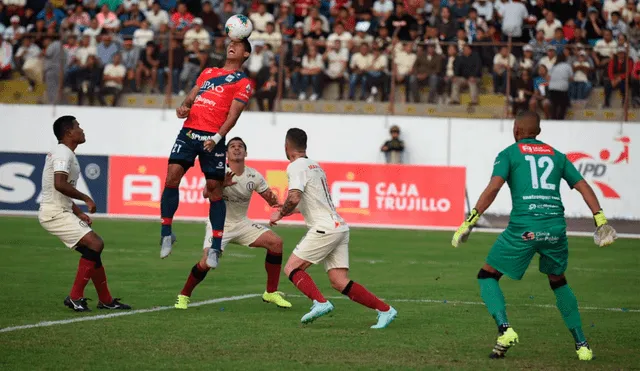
{"x":332,"y":249}
{"x":243,"y":233}
{"x":63,"y":224}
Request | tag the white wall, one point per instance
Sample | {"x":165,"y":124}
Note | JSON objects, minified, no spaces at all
{"x":348,"y":138}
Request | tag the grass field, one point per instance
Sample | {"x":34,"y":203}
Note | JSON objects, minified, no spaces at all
{"x":441,"y":324}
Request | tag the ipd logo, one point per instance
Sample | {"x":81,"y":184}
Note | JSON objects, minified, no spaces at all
{"x":21,"y":180}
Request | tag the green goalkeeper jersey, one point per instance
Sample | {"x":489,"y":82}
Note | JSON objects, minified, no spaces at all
{"x":533,"y":171}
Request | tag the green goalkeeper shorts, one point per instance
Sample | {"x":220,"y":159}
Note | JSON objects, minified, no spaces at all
{"x":512,"y":252}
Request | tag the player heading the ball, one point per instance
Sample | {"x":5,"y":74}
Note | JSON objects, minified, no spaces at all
{"x":533,"y":170}
{"x":211,"y":110}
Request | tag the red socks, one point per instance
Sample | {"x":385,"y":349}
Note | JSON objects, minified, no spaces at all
{"x":195,"y":277}
{"x":272,"y":264}
{"x":99,"y":279}
{"x":305,"y":284}
{"x":86,"y":268}
{"x":359,"y":294}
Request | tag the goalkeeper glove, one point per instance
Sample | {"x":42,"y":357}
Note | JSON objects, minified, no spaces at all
{"x":462,"y":234}
{"x":604,"y":234}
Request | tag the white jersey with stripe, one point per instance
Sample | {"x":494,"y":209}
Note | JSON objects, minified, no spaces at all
{"x":60,"y":160}
{"x":315,"y":205}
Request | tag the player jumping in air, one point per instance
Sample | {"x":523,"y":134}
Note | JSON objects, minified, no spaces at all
{"x":211,"y":109}
{"x":326,"y":241}
{"x":61,"y":217}
{"x":239,"y":229}
{"x":533,"y":171}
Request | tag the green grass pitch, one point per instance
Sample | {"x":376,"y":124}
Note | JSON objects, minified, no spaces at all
{"x":440,"y":325}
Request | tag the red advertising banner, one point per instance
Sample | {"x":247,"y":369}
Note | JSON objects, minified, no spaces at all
{"x":364,"y":194}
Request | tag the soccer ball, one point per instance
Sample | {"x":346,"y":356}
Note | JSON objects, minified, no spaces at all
{"x":238,"y":27}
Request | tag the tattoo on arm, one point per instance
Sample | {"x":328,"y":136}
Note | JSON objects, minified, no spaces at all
{"x":293,"y":199}
{"x":270,"y":197}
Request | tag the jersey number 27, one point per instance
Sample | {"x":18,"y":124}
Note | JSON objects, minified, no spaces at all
{"x":545,"y":163}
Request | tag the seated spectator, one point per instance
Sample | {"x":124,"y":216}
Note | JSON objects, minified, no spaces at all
{"x":339,"y":33}
{"x":428,"y":69}
{"x":106,"y":49}
{"x":51,"y":15}
{"x":314,"y":18}
{"x":210,"y":19}
{"x":550,"y":59}
{"x":105,"y":15}
{"x":619,"y":69}
{"x":14,"y":32}
{"x":449,"y":70}
{"x":539,"y":46}
{"x":383,"y":40}
{"x":132,"y":20}
{"x":29,"y":62}
{"x":404,"y":59}
{"x":336,"y":58}
{"x":616,"y":25}
{"x":267,"y":86}
{"x":113,"y":80}
{"x":361,"y":35}
{"x":261,"y":18}
{"x":285,"y":19}
{"x":467,"y":73}
{"x":82,"y":54}
{"x":526,"y":62}
{"x":274,"y":38}
{"x":377,"y":76}
{"x":570,"y":30}
{"x":611,"y":6}
{"x":178,"y":55}
{"x":218,"y":53}
{"x":93,"y":32}
{"x":580,"y":87}
{"x":540,"y":90}
{"x":312,"y":68}
{"x":197,"y":33}
{"x":89,"y":80}
{"x":130,"y":55}
{"x":521,"y":92}
{"x":148,"y":64}
{"x":623,"y":41}
{"x":594,"y":26}
{"x":360,"y":63}
{"x":227,"y":11}
{"x":317,"y":38}
{"x":294,"y":66}
{"x":558,"y":41}
{"x":629,"y":11}
{"x":182,"y":19}
{"x":258,"y":59}
{"x":194,"y":62}
{"x":79,"y":18}
{"x":502,"y":62}
{"x":460,"y":11}
{"x":6,"y":58}
{"x":603,"y":50}
{"x":559,"y":78}
{"x":382,"y":9}
{"x":143,"y":35}
{"x":347,"y":18}
{"x":486,"y":52}
{"x":363,"y":10}
{"x":473,"y":24}
{"x":549,"y":25}
{"x":157,"y":16}
{"x":162,"y":37}
{"x":446,"y":25}
{"x":485,"y":9}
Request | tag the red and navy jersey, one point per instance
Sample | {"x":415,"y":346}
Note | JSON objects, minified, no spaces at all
{"x":218,"y":89}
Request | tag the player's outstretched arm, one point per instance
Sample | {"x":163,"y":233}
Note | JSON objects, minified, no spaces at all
{"x":605,"y":234}
{"x":486,"y":199}
{"x":183,"y":111}
{"x":270,"y":198}
{"x":289,"y":206}
{"x":61,"y":185}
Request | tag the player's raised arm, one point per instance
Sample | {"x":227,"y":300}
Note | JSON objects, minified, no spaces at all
{"x":61,"y":185}
{"x":183,"y":111}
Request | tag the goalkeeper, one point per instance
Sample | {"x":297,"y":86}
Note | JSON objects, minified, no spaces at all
{"x":533,"y":170}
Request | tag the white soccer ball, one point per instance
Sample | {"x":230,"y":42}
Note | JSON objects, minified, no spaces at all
{"x":238,"y":27}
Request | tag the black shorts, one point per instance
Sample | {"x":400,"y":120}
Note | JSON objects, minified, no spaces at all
{"x":190,"y":144}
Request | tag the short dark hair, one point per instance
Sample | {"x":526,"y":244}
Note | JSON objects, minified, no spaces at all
{"x":529,"y":115}
{"x":239,"y":140}
{"x":247,"y":45}
{"x":298,"y":138}
{"x":62,"y":125}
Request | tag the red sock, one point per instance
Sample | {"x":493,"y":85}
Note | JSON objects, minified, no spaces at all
{"x":305,"y":284}
{"x":99,"y":279}
{"x":85,"y":271}
{"x":195,"y":277}
{"x":272,"y":264}
{"x":359,"y":294}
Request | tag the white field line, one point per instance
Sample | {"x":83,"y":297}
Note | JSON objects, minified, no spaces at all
{"x":123,"y":313}
{"x":457,"y":302}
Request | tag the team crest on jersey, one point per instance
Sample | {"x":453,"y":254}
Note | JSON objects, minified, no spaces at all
{"x":251,"y":186}
{"x":229,"y":78}
{"x":248,"y":88}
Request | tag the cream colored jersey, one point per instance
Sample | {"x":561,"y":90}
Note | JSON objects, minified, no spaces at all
{"x":316,"y":205}
{"x":60,"y":160}
{"x":238,"y":196}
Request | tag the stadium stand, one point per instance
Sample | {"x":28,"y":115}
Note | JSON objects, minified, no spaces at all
{"x":338,"y":56}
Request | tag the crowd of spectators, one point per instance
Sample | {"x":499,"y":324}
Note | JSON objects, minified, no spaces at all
{"x":561,"y":49}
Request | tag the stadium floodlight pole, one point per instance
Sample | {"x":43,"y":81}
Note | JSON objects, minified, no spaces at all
{"x":627,"y":77}
{"x":283,"y":51}
{"x":168,"y":96}
{"x":507,"y":93}
{"x":392,"y":87}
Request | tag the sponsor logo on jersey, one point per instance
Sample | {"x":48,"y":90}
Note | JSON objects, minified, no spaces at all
{"x":535,"y":149}
{"x":528,"y":236}
{"x":595,"y":168}
{"x":199,"y":137}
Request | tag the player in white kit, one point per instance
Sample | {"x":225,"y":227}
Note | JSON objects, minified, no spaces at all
{"x":326,"y":241}
{"x":240,"y":184}
{"x":61,"y":217}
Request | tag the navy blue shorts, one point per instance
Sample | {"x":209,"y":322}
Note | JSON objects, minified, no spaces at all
{"x":190,"y":144}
